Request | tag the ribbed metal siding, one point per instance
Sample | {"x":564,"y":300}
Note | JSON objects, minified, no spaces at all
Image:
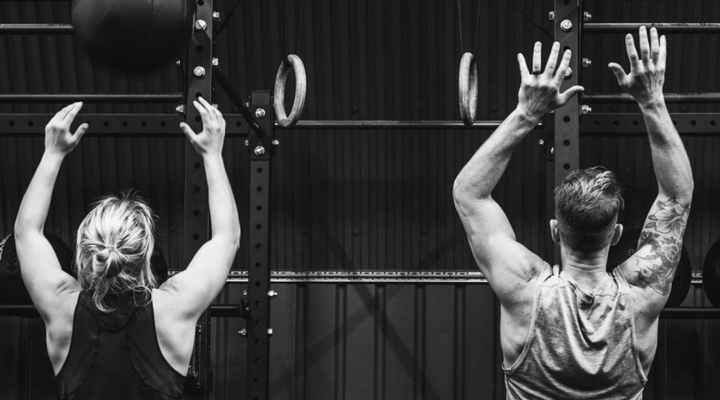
{"x":366,"y":200}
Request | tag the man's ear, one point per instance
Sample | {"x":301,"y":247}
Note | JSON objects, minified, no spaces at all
{"x":554,"y":232}
{"x":617,"y":234}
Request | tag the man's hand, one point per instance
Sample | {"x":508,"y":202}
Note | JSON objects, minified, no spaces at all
{"x":58,"y":139}
{"x":647,"y":72}
{"x":540,"y":91}
{"x":210,"y":140}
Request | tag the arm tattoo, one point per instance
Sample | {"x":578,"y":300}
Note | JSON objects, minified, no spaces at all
{"x":663,"y":232}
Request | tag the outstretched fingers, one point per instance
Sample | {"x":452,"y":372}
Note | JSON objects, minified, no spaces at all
{"x":632,"y":52}
{"x":537,"y":58}
{"x":524,"y":73}
{"x":662,"y":54}
{"x":565,"y":96}
{"x":654,"y":46}
{"x":563,"y":68}
{"x":552,"y":60}
{"x":619,"y":72}
{"x":644,"y":45}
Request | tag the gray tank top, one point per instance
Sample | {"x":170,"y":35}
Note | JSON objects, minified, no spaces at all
{"x":580,"y":345}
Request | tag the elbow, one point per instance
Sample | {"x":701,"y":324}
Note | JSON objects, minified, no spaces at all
{"x":21,"y":229}
{"x":460,"y":192}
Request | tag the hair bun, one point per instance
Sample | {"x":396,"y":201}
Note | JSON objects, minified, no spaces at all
{"x":107,"y":265}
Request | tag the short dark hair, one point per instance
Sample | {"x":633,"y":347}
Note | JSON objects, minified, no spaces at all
{"x":587,"y":204}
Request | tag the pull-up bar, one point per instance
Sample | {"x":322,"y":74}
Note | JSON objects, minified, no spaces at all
{"x":664,"y":27}
{"x":37,"y":29}
{"x":176,"y":98}
{"x":695,"y":98}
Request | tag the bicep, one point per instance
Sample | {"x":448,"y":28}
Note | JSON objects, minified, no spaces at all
{"x":504,"y":261}
{"x":195,"y":288}
{"x":42,"y":274}
{"x":652,"y":267}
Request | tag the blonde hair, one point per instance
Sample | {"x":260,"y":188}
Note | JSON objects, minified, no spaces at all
{"x":587,"y":204}
{"x":115,"y":243}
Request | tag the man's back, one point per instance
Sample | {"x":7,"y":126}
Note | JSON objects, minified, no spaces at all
{"x":580,"y":345}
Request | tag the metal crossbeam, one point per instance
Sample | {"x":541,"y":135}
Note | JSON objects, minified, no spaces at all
{"x":665,"y":27}
{"x":624,"y":98}
{"x":126,"y":125}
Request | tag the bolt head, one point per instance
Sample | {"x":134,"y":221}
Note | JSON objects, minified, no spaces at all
{"x":243,"y":332}
{"x":587,"y":17}
{"x":568,"y":73}
{"x":272,"y":294}
{"x":215,"y":62}
{"x":200,"y":25}
{"x":259,"y":151}
{"x":586,"y":62}
{"x":199,"y":72}
{"x":541,"y":142}
{"x":585,"y":109}
{"x":244,"y":292}
{"x":552,"y":150}
{"x":247,"y":143}
{"x":276,"y":143}
{"x":260,"y":113}
{"x":216,"y":16}
{"x":566,"y":25}
{"x":270,"y":331}
{"x":180,"y":109}
{"x":551,"y":15}
{"x":178,"y":63}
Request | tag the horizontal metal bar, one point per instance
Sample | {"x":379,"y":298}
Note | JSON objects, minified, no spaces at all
{"x":127,"y":125}
{"x":616,"y":98}
{"x":229,"y":311}
{"x":386,"y":276}
{"x":91,"y":98}
{"x":663,"y":27}
{"x":393,"y":125}
{"x":36,"y":29}
{"x":628,"y":125}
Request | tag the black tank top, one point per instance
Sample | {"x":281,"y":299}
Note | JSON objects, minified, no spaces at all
{"x":116,"y":356}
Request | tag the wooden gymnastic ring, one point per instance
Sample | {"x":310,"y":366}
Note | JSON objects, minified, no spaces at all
{"x":468,"y":88}
{"x":295,"y":63}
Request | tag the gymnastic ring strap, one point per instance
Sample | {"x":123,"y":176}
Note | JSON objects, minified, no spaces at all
{"x":468,"y":88}
{"x":295,"y":63}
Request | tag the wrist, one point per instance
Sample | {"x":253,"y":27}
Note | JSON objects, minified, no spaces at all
{"x":211,"y":158}
{"x":652,"y":104}
{"x":53,"y":156}
{"x":526,"y":116}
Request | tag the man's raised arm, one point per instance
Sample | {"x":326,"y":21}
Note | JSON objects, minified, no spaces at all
{"x":653,"y":266}
{"x":500,"y":257}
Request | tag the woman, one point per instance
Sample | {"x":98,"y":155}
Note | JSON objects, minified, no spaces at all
{"x":111,"y":334}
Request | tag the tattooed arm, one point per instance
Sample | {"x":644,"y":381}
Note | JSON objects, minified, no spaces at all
{"x":652,"y":267}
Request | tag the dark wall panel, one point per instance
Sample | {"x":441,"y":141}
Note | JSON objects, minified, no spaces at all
{"x":360,"y":200}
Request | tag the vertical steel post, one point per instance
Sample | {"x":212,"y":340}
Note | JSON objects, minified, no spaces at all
{"x":566,"y":120}
{"x":257,"y":316}
{"x":199,"y":72}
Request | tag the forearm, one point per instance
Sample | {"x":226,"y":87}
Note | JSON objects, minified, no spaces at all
{"x":36,"y":202}
{"x":670,"y":160}
{"x":223,"y":209}
{"x":481,"y":174}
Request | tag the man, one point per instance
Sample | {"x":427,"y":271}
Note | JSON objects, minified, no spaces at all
{"x":575,"y":331}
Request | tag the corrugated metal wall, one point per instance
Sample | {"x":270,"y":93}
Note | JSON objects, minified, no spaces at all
{"x":360,"y":200}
